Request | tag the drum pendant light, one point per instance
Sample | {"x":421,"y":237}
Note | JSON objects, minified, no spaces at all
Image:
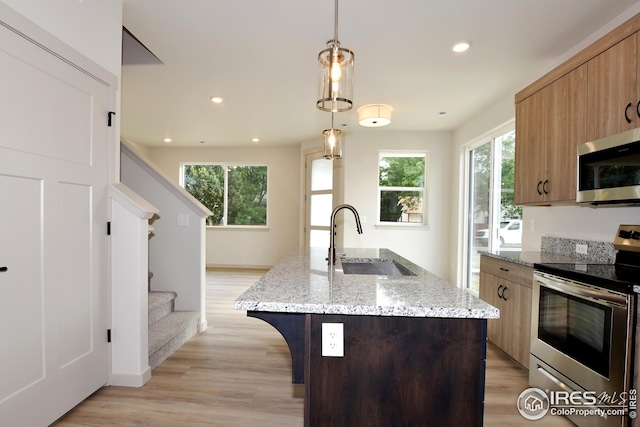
{"x":332,"y":142}
{"x":336,"y":74}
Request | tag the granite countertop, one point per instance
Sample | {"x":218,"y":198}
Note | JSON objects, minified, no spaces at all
{"x":303,"y":283}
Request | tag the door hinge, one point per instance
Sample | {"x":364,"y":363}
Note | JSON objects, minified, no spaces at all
{"x":108,"y":335}
{"x":109,"y":228}
{"x":110,"y":114}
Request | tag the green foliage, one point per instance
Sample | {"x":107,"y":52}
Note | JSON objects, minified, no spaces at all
{"x":401,"y":172}
{"x":246,"y":188}
{"x":481,"y":170}
{"x":247,"y":195}
{"x":405,"y":174}
{"x":206,"y":183}
{"x":508,"y":208}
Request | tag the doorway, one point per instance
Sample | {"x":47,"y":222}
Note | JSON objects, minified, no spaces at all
{"x":493,"y":221}
{"x":319,"y":199}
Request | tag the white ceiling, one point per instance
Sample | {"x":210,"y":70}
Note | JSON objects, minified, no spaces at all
{"x":261,"y":57}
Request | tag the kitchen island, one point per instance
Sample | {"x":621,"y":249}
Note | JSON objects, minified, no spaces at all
{"x":414,"y":346}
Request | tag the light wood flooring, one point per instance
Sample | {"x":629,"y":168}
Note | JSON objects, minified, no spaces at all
{"x":238,"y":373}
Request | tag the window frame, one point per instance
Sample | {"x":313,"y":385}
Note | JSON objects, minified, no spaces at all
{"x":227,"y":166}
{"x":425,"y":189}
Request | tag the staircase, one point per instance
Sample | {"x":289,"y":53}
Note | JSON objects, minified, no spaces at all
{"x":168,"y":329}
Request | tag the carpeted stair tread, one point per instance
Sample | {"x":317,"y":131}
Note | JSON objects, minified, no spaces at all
{"x":165,"y":329}
{"x":157,"y":298}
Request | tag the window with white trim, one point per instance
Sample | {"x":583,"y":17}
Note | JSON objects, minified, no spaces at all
{"x":402,"y":187}
{"x":235,"y":193}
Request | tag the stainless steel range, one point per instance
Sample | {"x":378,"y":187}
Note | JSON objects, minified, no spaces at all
{"x":582,"y":332}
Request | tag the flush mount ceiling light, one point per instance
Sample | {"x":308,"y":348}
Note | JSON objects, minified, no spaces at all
{"x":167,"y":140}
{"x":216,"y":99}
{"x":461,"y":46}
{"x":332,"y":142}
{"x":336,"y":74}
{"x":374,"y":115}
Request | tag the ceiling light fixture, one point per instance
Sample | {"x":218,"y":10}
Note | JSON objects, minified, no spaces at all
{"x":255,"y":139}
{"x":332,"y":142}
{"x":461,"y":46}
{"x":374,"y":115}
{"x":336,"y":74}
{"x":216,"y":99}
{"x":167,"y":140}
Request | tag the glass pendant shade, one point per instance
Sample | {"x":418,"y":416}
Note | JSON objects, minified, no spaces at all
{"x":332,"y":144}
{"x":336,"y":78}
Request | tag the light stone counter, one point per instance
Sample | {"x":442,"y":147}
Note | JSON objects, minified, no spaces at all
{"x":302,"y":283}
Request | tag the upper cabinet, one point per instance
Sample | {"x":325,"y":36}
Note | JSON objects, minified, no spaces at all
{"x":613,"y":90}
{"x":549,"y":126}
{"x":594,"y":94}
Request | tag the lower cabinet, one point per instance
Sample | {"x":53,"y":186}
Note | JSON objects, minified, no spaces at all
{"x":507,"y":286}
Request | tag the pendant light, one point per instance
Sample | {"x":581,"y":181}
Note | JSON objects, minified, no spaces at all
{"x":336,"y":75}
{"x":332,"y":142}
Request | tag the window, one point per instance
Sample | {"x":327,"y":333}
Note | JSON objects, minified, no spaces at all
{"x":493,"y":221}
{"x":402,"y":187}
{"x":236,"y":194}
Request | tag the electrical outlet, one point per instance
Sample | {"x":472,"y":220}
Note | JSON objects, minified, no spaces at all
{"x":183,"y":220}
{"x":581,"y":249}
{"x":333,"y":339}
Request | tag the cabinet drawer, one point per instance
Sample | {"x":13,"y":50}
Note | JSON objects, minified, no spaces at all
{"x":520,"y":274}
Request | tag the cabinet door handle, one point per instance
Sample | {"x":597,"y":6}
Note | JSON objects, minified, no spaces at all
{"x":544,"y":186}
{"x":638,"y":108}
{"x":504,"y":269}
{"x":626,"y":112}
{"x":539,"y":184}
{"x":500,"y":293}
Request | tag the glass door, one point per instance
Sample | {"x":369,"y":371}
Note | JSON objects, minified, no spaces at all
{"x":319,"y":199}
{"x":493,"y":222}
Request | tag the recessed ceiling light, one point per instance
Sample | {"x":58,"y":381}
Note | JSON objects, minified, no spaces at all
{"x":167,"y":140}
{"x":461,"y":46}
{"x":216,"y":99}
{"x":255,"y":139}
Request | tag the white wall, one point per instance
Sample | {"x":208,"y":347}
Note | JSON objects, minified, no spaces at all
{"x":428,"y":246}
{"x":253,"y":248}
{"x":92,"y":27}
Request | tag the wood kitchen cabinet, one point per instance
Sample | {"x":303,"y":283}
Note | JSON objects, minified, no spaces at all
{"x":550,"y":124}
{"x":614,"y":96}
{"x":507,"y":286}
{"x":594,"y":94}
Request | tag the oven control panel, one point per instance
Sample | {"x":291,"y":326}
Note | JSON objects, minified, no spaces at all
{"x":627,"y":238}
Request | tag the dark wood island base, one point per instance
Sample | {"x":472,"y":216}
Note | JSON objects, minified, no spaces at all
{"x":396,"y":371}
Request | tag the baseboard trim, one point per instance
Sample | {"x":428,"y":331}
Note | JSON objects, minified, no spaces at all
{"x":130,"y":380}
{"x":202,"y":326}
{"x":238,"y":267}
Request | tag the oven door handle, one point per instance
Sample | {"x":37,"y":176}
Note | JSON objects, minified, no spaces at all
{"x":585,"y":291}
{"x":564,"y":386}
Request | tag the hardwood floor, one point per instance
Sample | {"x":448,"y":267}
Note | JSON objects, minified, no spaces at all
{"x":238,"y":373}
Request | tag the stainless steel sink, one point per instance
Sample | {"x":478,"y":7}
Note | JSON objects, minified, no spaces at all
{"x":374,"y":266}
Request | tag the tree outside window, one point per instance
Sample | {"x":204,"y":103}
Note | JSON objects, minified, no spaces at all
{"x":401,"y":187}
{"x":236,"y":194}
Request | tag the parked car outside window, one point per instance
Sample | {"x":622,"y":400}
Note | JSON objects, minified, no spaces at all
{"x":510,"y":233}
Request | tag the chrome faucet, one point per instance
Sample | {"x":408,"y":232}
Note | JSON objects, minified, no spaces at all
{"x":331,"y":257}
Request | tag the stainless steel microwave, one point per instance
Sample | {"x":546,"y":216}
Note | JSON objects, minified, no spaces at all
{"x":609,"y":170}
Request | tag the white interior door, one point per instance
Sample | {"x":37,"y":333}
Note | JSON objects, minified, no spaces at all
{"x":54,"y":163}
{"x":319,"y":199}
